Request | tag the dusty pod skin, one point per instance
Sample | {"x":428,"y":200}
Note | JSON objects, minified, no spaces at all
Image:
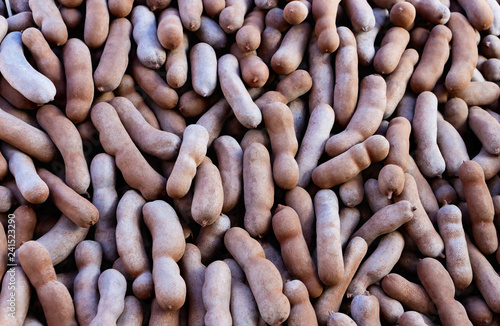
{"x":162,"y":144}
{"x":169,"y":30}
{"x":191,"y":154}
{"x":348,"y":164}
{"x":208,"y":196}
{"x":21,"y":166}
{"x":112,"y":288}
{"x":47,"y":61}
{"x":366,"y":40}
{"x":203,"y":69}
{"x":414,"y":318}
{"x":322,"y":74}
{"x":480,"y":93}
{"x":432,"y":11}
{"x":398,"y":80}
{"x":425,"y":193}
{"x":439,"y":285}
{"x":248,"y":36}
{"x":365,"y":310}
{"x":211,"y":237}
{"x":130,"y":245}
{"x":168,"y":248}
{"x":20,"y":21}
{"x":488,"y":162}
{"x":490,"y":46}
{"x":464,"y":53}
{"x":378,"y":265}
{"x":96,"y":23}
{"x":56,"y":301}
{"x":328,"y":243}
{"x":398,"y":135}
{"x":295,"y":12}
{"x":213,"y":7}
{"x":88,"y":257}
{"x":385,"y":220}
{"x":332,"y":296}
{"x":120,"y":8}
{"x":365,"y":120}
{"x":263,"y":277}
{"x":72,"y":17}
{"x":132,"y":314}
{"x":434,"y":57}
{"x":346,"y":77}
{"x":390,"y":309}
{"x":391,"y":180}
{"x":67,"y":139}
{"x":490,"y":69}
{"x":26,"y":222}
{"x":254,"y":71}
{"x":477,"y":310}
{"x":457,"y":259}
{"x":176,"y":67}
{"x":230,"y":161}
{"x":451,"y":145}
{"x":272,"y":35}
{"x":14,"y":97}
{"x":293,"y":86}
{"x":486,"y":278}
{"x":403,"y":15}
{"x":62,"y":238}
{"x":392,"y":47}
{"x":190,"y":12}
{"x":31,"y":84}
{"x":420,"y":227}
{"x":193,"y":272}
{"x":128,"y":159}
{"x":300,"y":200}
{"x":216,"y":294}
{"x":149,"y":50}
{"x":312,"y":146}
{"x":486,"y":128}
{"x":114,"y":58}
{"x":79,"y":82}
{"x":411,"y":295}
{"x":232,"y":17}
{"x":480,"y":206}
{"x":444,"y":192}
{"x":105,"y":199}
{"x":210,"y":32}
{"x":338,"y":319}
{"x":293,"y":246}
{"x":349,"y":220}
{"x":22,"y":292}
{"x":302,"y":311}
{"x":427,"y":154}
{"x":153,"y":85}
{"x":278,"y":120}
{"x":243,"y":306}
{"x":291,"y":51}
{"x":325,"y":15}
{"x":360,"y":14}
{"x":69,"y":202}
{"x":245,"y":110}
{"x":479,"y":13}
{"x":47,"y":16}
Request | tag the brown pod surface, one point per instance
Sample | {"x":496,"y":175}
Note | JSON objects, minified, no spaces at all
{"x":391,"y":49}
{"x":216,"y":294}
{"x":325,"y":15}
{"x":96,"y":23}
{"x":230,"y":161}
{"x":48,"y":17}
{"x":193,"y":272}
{"x":291,"y":51}
{"x":120,"y":8}
{"x":302,"y":311}
{"x":208,"y":197}
{"x":486,"y":128}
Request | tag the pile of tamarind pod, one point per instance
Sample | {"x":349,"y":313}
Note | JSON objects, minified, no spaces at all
{"x":219,"y":162}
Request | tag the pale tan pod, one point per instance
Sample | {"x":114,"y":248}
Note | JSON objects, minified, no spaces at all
{"x":427,"y":154}
{"x":322,"y":74}
{"x":168,"y":248}
{"x":112,"y":288}
{"x":216,"y":293}
{"x":96,"y":23}
{"x":361,"y":15}
{"x":378,"y":265}
{"x":376,"y":200}
{"x":300,"y":200}
{"x":190,"y":12}
{"x":457,"y":258}
{"x":232,"y":17}
{"x":132,"y":314}
{"x":432,"y":11}
{"x":414,"y":318}
{"x":161,"y":317}
{"x":88,"y":257}
{"x":245,"y":110}
{"x":20,"y":21}
{"x":191,"y":154}
{"x":203,"y":69}
{"x":390,"y":309}
{"x":403,"y":15}
{"x":211,"y":237}
{"x":193,"y":271}
{"x":391,"y":49}
{"x":425,"y":192}
{"x":328,"y":246}
{"x":48,"y":17}
{"x":149,"y":50}
{"x":349,"y":220}
{"x":352,"y":192}
{"x":291,"y":51}
{"x":22,"y":293}
{"x":30,"y":83}
{"x":365,"y":310}
{"x":210,"y":32}
{"x":451,"y":145}
{"x":230,"y":162}
{"x":312,"y":146}
{"x":345,"y":93}
{"x":489,"y":163}
{"x":65,"y":136}
{"x":105,"y":199}
{"x":23,"y":169}
{"x":444,"y":192}
{"x":325,"y":15}
{"x":332,"y":296}
{"x":72,"y":17}
{"x":366,"y":40}
{"x":486,"y":128}
{"x":295,"y":12}
{"x":302,"y":311}
{"x":391,"y":180}
{"x":26,"y":220}
{"x":478,"y":311}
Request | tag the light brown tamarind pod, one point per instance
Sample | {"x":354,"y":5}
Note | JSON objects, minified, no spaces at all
{"x":190,"y":12}
{"x":448,"y":138}
{"x":210,"y":32}
{"x":486,"y":128}
{"x":295,"y":12}
{"x":291,"y":51}
{"x":479,"y":13}
{"x":432,"y":11}
{"x":213,"y":7}
{"x":203,"y":62}
{"x":351,"y":192}
{"x":79,"y":82}
{"x":216,"y":294}
{"x":444,"y":191}
{"x":300,"y":200}
{"x":365,"y":310}
{"x":398,"y":135}
{"x":254,"y":71}
{"x":232,"y":17}
{"x":120,"y":8}
{"x":302,"y":311}
{"x":325,"y":15}
{"x":208,"y":193}
{"x":390,"y":309}
{"x":96,"y":23}
{"x":414,"y":318}
{"x":391,"y":49}
{"x":322,"y":74}
{"x":48,"y":17}
{"x":149,"y":50}
{"x":170,"y":29}
{"x":403,"y":15}
{"x":391,"y":180}
{"x":349,"y":220}
{"x":338,"y":318}
{"x":248,"y":36}
{"x":112,"y":288}
{"x":193,"y":272}
{"x":132,"y":314}
{"x":25,"y":224}
{"x":22,"y":293}
{"x":425,"y":193}
{"x":369,"y":113}
{"x":366,"y":40}
{"x":360,"y":14}
{"x":477,"y":310}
